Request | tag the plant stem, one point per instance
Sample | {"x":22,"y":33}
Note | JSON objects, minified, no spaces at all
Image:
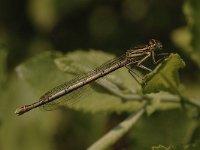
{"x":116,"y":133}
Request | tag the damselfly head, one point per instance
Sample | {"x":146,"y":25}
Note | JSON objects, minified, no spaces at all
{"x":157,"y":44}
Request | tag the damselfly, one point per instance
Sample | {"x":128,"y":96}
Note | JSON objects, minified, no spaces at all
{"x":132,"y":58}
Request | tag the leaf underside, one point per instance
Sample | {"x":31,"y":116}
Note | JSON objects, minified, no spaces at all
{"x":165,"y":77}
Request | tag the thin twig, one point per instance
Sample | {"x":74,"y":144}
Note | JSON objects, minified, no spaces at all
{"x":115,"y":134}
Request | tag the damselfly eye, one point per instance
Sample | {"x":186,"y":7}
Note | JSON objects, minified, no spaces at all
{"x":156,"y":43}
{"x":152,"y":41}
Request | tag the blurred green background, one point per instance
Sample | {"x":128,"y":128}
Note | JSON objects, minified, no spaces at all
{"x":29,"y":28}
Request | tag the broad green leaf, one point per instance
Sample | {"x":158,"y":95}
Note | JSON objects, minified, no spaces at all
{"x":40,"y":72}
{"x":117,"y":83}
{"x":100,"y":93}
{"x":46,"y":71}
{"x":165,"y":77}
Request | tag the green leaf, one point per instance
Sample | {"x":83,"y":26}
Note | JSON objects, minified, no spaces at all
{"x":80,"y":62}
{"x":165,"y":76}
{"x":40,"y":72}
{"x":48,"y":70}
{"x":106,"y":93}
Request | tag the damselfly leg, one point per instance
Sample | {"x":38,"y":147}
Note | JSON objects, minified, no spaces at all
{"x":160,"y":59}
{"x":134,"y":73}
{"x":133,"y":70}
